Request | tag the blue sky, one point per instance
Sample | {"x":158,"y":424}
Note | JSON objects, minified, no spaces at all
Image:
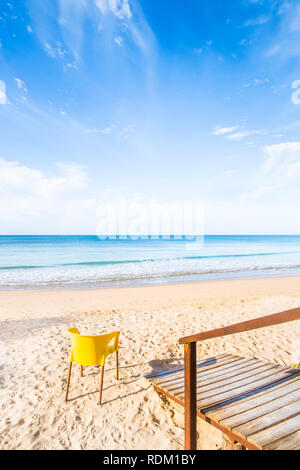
{"x":178,"y":100}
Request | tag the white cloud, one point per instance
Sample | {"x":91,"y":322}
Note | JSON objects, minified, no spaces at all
{"x":16,"y":178}
{"x":280,"y":171}
{"x":113,"y":130}
{"x":55,"y":51}
{"x":3,"y":98}
{"x":260,"y":81}
{"x":135,"y":27}
{"x":230,"y":134}
{"x":258,"y":21}
{"x":21,"y":85}
{"x":49,"y":49}
{"x":119,"y":8}
{"x":284,"y":42}
{"x":295,"y":20}
{"x":224,"y":130}
{"x":278,"y":157}
{"x":33,"y":200}
{"x":104,"y":131}
{"x":245,"y":42}
{"x":241,"y":135}
{"x":126,"y":131}
{"x":79,"y":22}
{"x":118,"y":40}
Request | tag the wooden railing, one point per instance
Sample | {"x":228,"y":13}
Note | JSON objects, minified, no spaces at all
{"x":190,"y":363}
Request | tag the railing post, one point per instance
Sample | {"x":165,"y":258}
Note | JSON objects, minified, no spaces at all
{"x":190,"y":396}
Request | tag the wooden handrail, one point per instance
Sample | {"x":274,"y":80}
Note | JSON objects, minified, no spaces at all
{"x":268,"y":320}
{"x":190,"y":363}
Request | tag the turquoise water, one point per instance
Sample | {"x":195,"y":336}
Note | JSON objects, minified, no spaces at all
{"x":86,"y":261}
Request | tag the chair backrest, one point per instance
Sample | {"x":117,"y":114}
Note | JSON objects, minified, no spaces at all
{"x":90,"y":350}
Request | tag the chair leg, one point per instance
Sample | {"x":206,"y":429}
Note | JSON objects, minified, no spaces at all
{"x":68,"y":380}
{"x":117,"y":365}
{"x":101,"y":385}
{"x":81,"y":371}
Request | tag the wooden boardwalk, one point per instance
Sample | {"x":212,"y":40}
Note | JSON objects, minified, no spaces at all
{"x":253,"y":402}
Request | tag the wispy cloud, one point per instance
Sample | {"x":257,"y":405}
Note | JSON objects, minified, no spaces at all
{"x":63,"y":32}
{"x":278,"y":157}
{"x":118,"y":40}
{"x":224,"y":130}
{"x":206,"y":46}
{"x":126,"y":131}
{"x":230,"y":134}
{"x":104,"y":131}
{"x":21,"y":85}
{"x":56,"y":50}
{"x":245,"y":42}
{"x":3,"y":98}
{"x":49,"y":49}
{"x":123,"y":132}
{"x":261,"y":81}
{"x":119,"y":8}
{"x":258,"y":21}
{"x":295,"y":20}
{"x":279,"y":171}
{"x":284,"y":43}
{"x":244,"y":133}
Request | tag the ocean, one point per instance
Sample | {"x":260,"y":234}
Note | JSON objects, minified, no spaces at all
{"x":30,"y":262}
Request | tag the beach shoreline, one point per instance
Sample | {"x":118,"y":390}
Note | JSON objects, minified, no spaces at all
{"x":35,"y":351}
{"x":85,"y":262}
{"x":14,"y":301}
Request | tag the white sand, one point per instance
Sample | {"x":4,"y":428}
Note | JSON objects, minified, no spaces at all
{"x":33,"y":372}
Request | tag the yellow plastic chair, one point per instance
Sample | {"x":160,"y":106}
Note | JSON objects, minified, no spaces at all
{"x":92,"y":351}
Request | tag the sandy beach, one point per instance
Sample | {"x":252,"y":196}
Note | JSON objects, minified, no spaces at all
{"x":35,"y":350}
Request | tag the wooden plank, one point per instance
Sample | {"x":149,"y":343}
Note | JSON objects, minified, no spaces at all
{"x":290,"y":442}
{"x":253,"y":379}
{"x":212,"y":375}
{"x":235,"y":409}
{"x":190,"y":388}
{"x":248,"y":373}
{"x":230,"y":407}
{"x":274,"y":433}
{"x":200,"y":368}
{"x":260,"y":411}
{"x":219,"y":374}
{"x":245,"y":398}
{"x":216,"y":383}
{"x":179,"y":368}
{"x":205,"y":402}
{"x":262,"y":322}
{"x":209,"y":360}
{"x":269,"y":420}
{"x":231,"y":435}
